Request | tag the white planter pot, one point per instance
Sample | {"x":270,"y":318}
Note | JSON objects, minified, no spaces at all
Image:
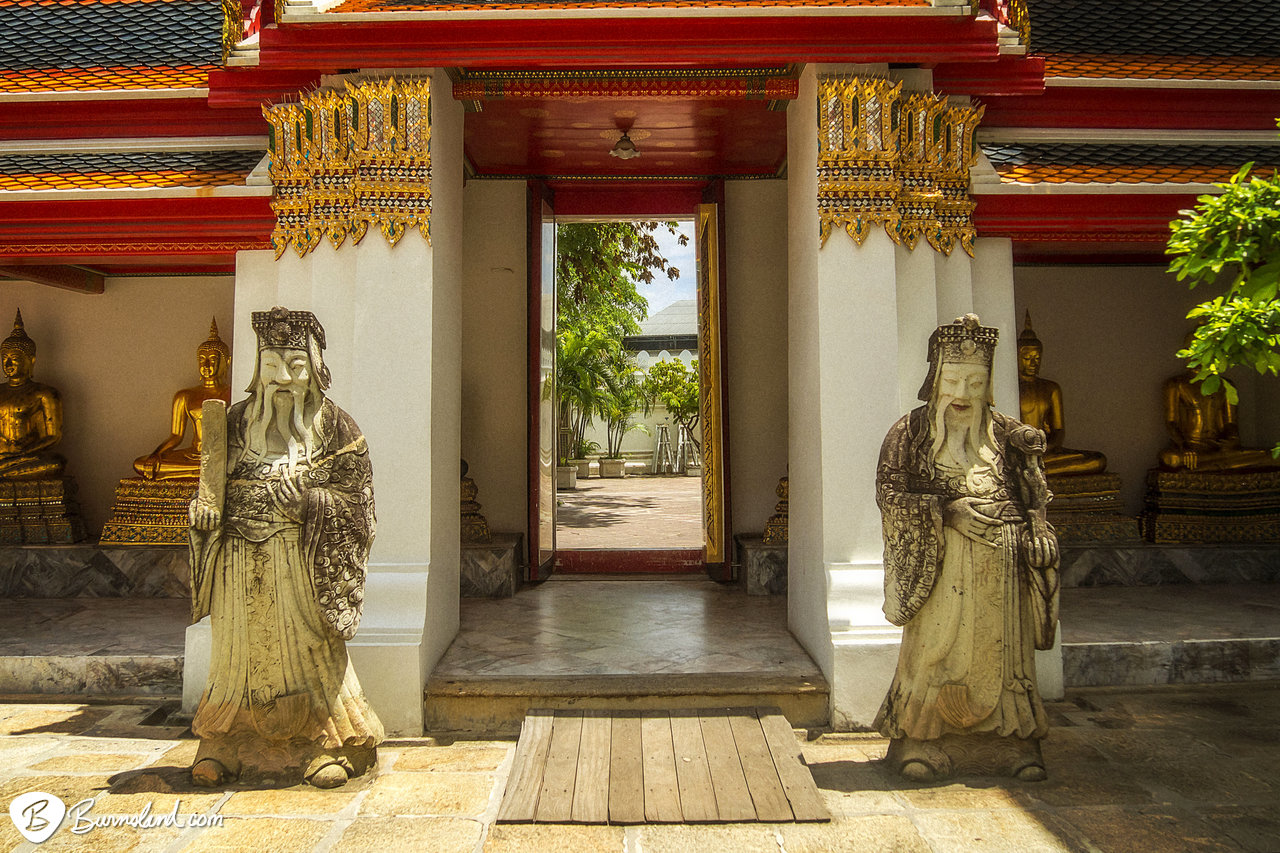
{"x":613,"y":467}
{"x":566,"y":477}
{"x":584,"y":467}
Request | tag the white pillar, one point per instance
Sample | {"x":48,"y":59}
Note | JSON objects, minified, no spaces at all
{"x":917,"y":318}
{"x":392,"y":319}
{"x":955,"y":284}
{"x":843,"y":397}
{"x":993,"y":302}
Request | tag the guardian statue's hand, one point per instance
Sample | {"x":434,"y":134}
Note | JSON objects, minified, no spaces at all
{"x":966,"y":517}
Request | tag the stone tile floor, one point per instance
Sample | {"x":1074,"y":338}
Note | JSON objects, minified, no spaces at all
{"x":1137,"y":769}
{"x":631,"y":512}
{"x":576,"y":625}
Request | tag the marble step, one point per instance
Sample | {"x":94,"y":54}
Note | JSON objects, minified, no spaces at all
{"x":91,"y":676}
{"x":1170,"y":634}
{"x":496,"y":705}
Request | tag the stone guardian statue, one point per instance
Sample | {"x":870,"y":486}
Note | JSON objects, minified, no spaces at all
{"x":970,"y":572}
{"x":280,"y":566}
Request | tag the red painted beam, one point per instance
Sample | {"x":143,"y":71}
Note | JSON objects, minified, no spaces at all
{"x":1145,"y":108}
{"x":252,"y":87}
{"x":211,"y":229}
{"x":126,"y":118}
{"x":628,"y":42}
{"x":636,"y":561}
{"x":1008,"y":75}
{"x":1107,"y":218}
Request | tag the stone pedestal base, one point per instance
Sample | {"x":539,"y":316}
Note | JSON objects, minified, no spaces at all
{"x":1195,"y":507}
{"x":1086,"y":509}
{"x":978,"y":754}
{"x":491,"y":569}
{"x":39,"y":512}
{"x":150,"y":512}
{"x":764,"y":567}
{"x":86,"y":571}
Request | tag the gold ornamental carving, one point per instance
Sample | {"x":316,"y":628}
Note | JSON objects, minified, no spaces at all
{"x":342,"y":161}
{"x":895,"y":159}
{"x":776,"y":530}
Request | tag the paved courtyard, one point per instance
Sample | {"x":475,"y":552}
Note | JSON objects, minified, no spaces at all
{"x":631,"y":512}
{"x":1135,"y":769}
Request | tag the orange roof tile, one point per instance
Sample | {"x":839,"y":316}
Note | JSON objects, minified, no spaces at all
{"x":119,"y":180}
{"x":351,"y":6}
{"x":1056,"y":173}
{"x":125,"y":170}
{"x":1150,"y":67}
{"x":105,"y":79}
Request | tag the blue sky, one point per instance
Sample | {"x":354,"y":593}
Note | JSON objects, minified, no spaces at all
{"x":662,"y":292}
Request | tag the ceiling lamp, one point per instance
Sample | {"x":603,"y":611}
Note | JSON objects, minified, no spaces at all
{"x":624,"y":148}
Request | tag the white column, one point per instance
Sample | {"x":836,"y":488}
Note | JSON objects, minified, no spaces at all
{"x":955,"y":284}
{"x":392,"y":320}
{"x":843,"y":397}
{"x":917,"y":318}
{"x":993,"y":302}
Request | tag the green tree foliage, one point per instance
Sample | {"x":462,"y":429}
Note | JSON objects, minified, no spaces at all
{"x":621,"y":396}
{"x":599,"y":266}
{"x":1236,"y":235}
{"x":675,"y":386}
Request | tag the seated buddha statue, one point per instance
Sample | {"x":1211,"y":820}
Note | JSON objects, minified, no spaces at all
{"x":1205,"y":433}
{"x":1040,"y":405}
{"x":30,"y":414}
{"x":172,"y":461}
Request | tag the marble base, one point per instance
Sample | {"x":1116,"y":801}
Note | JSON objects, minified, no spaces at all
{"x":491,"y":569}
{"x":40,"y":512}
{"x":764,"y":567}
{"x":150,"y":512}
{"x":1086,"y":509}
{"x":1177,"y":662}
{"x":1227,"y":507}
{"x":1149,"y":565}
{"x":87,"y":571}
{"x":92,"y":675}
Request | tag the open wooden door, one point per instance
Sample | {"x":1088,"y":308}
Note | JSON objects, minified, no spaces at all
{"x":717,"y":542}
{"x":542,"y":397}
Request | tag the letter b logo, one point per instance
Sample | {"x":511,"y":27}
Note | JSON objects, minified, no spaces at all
{"x":37,"y":815}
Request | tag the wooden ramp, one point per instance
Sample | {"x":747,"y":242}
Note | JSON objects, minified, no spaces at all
{"x":686,"y":766}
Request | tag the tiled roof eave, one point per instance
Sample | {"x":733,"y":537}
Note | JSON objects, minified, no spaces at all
{"x":1099,"y":188}
{"x":1158,"y":83}
{"x":221,"y":191}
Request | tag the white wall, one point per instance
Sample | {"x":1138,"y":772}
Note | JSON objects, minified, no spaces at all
{"x":756,"y":336}
{"x":117,"y":358}
{"x":1109,"y":335}
{"x":495,"y":428}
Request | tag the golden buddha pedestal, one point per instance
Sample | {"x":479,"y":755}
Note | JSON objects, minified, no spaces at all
{"x":1208,"y":488}
{"x":151,"y":508}
{"x":37,"y":499}
{"x":1086,"y":504}
{"x":475,"y":527}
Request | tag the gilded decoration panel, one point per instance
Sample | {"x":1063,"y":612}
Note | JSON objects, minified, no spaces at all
{"x":900,"y":160}
{"x":342,"y":161}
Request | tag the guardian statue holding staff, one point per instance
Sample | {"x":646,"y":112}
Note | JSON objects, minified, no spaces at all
{"x":971,"y":572}
{"x":281,"y":531}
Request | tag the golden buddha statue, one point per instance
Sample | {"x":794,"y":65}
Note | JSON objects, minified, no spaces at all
{"x":1040,"y":405}
{"x":30,"y":414}
{"x":171,"y":461}
{"x":1205,"y":433}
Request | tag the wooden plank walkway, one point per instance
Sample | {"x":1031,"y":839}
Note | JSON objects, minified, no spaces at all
{"x":686,"y":766}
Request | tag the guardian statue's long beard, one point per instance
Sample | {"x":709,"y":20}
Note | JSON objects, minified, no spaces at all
{"x":977,"y":423}
{"x":292,"y":419}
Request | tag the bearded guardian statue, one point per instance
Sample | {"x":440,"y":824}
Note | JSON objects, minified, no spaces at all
{"x":280,"y":566}
{"x":971,"y":572}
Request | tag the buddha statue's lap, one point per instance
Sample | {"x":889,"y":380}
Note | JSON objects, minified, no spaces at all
{"x":170,"y":461}
{"x":30,"y":414}
{"x":1040,"y":405}
{"x":1205,"y":433}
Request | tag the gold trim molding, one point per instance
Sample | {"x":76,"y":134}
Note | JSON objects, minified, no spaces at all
{"x":344,"y":160}
{"x":895,"y":159}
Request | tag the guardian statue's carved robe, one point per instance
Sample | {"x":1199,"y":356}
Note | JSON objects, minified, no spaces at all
{"x":283,"y":576}
{"x":971,"y":575}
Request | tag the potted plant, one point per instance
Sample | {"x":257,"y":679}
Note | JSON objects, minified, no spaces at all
{"x":621,"y":397}
{"x":581,"y":460}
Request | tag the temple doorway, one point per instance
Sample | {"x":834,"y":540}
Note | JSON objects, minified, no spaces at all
{"x":628,"y":431}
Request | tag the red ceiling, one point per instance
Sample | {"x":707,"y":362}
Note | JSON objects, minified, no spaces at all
{"x":676,"y":138}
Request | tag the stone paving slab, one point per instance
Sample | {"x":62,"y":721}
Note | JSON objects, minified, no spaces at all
{"x":1167,"y":768}
{"x":631,"y":512}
